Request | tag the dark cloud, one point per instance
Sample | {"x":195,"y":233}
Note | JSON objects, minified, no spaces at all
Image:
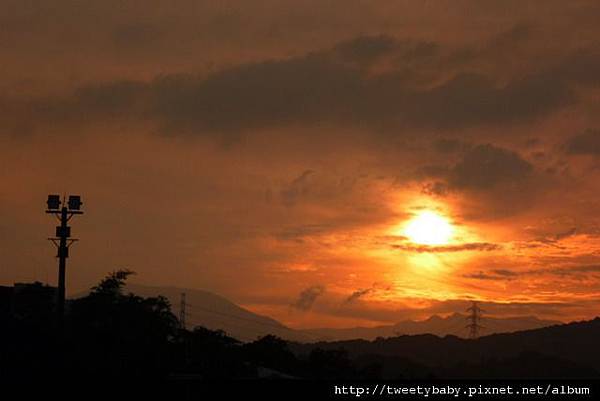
{"x":436,"y":188}
{"x":579,"y":67}
{"x":520,"y":32}
{"x":135,"y":36}
{"x":471,"y":99}
{"x":503,"y":274}
{"x":320,"y":87}
{"x":406,"y":54}
{"x":451,"y":145}
{"x":366,"y":49}
{"x":297,"y":189}
{"x":498,"y":181}
{"x":432,"y":171}
{"x":402,"y":243}
{"x":495,"y":274}
{"x":473,"y":246}
{"x":307,"y":297}
{"x":482,"y":276}
{"x":586,"y":143}
{"x":555,"y":238}
{"x":485,"y":166}
{"x":299,"y":232}
{"x":567,"y":271}
{"x":357,"y":295}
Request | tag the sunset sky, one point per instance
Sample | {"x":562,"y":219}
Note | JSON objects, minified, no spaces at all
{"x":326,"y":163}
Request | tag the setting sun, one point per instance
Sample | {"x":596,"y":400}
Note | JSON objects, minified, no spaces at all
{"x":429,"y":228}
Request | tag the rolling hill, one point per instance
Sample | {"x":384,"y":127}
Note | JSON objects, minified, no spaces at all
{"x":560,"y":351}
{"x":218,"y":313}
{"x":440,"y":326}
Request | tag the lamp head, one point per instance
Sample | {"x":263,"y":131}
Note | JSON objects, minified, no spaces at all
{"x":53,"y":202}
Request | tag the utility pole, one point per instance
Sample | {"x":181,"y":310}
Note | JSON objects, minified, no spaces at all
{"x":62,"y":241}
{"x":474,"y":319}
{"x":182,"y":310}
{"x":184,"y":334}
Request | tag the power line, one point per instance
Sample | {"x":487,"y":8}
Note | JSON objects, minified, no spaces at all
{"x":266,"y":324}
{"x":228,"y":324}
{"x":455,"y":327}
{"x":240,"y":318}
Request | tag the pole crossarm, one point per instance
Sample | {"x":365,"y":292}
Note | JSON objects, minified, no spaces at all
{"x":56,"y":242}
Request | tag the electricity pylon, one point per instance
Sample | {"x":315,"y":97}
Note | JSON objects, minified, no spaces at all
{"x":474,"y":319}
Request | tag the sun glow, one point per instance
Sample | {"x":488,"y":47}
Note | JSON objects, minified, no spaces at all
{"x":429,"y":228}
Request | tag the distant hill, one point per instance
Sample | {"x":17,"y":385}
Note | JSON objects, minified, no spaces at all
{"x":218,"y":313}
{"x":561,"y":351}
{"x":440,"y":326}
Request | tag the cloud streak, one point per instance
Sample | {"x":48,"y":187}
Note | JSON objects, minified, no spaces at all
{"x":504,"y":274}
{"x":308,"y":297}
{"x":356,"y":295}
{"x":472,"y":246}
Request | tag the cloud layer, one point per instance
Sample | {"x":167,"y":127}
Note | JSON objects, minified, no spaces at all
{"x":281,"y":144}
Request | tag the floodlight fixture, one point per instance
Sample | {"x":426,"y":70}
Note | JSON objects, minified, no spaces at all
{"x":75,"y":202}
{"x":53,"y":202}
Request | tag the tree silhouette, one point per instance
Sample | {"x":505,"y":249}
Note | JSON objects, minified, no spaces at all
{"x":272,"y":352}
{"x":113,"y":283}
{"x":122,"y":332}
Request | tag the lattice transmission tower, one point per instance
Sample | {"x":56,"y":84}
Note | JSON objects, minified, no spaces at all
{"x":182,"y":311}
{"x":474,"y":320}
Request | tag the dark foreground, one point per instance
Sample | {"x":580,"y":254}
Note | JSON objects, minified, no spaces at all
{"x":115,"y":345}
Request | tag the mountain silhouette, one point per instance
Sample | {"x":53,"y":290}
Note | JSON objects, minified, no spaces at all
{"x":113,"y":332}
{"x":566,"y":350}
{"x":440,"y":326}
{"x":215,"y":312}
